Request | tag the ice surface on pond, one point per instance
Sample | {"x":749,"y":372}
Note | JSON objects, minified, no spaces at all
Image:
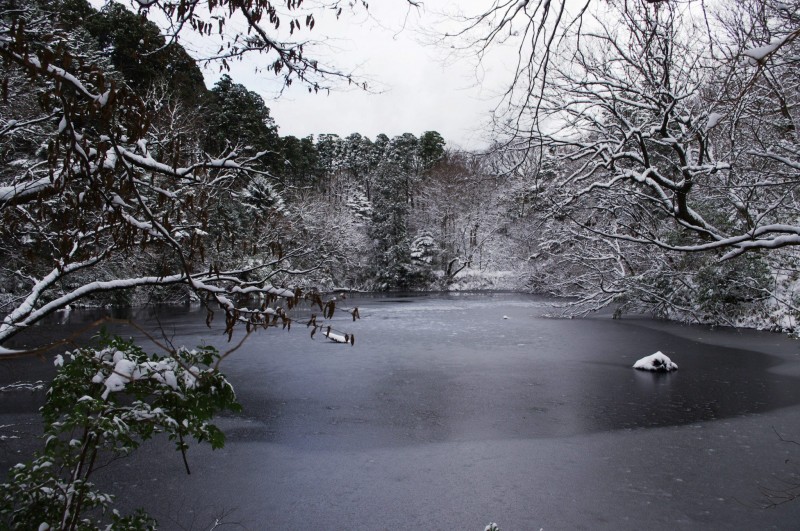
{"x":656,"y":362}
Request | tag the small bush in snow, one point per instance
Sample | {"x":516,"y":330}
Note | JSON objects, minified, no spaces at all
{"x":105,"y":402}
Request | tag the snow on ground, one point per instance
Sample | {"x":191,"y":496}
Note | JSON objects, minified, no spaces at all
{"x":656,"y":362}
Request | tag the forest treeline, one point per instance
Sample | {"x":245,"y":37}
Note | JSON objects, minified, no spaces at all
{"x":180,"y":179}
{"x":388,"y":213}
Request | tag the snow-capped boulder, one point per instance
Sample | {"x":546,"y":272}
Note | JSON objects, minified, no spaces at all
{"x":656,"y":362}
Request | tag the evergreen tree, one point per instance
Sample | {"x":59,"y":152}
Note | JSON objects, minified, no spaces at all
{"x":139,"y":52}
{"x":238,"y":118}
{"x":389,"y":227}
{"x":301,"y":163}
{"x":431,"y":149}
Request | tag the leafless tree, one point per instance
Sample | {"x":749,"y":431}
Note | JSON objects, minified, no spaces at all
{"x":668,"y":106}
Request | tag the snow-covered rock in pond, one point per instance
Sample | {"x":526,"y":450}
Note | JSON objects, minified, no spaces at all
{"x":656,"y":362}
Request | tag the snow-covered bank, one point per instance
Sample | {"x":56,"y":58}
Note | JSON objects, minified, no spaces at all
{"x":486,"y":279}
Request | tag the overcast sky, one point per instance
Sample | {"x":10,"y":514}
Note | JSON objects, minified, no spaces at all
{"x":419,"y":87}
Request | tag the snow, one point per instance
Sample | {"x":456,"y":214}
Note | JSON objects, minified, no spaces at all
{"x":760,"y":53}
{"x":656,"y":362}
{"x":280,"y":292}
{"x":23,"y":386}
{"x":165,"y":371}
{"x":335,"y":337}
{"x":189,"y":378}
{"x":713,"y":120}
{"x":117,"y":200}
{"x":103,"y":99}
{"x":22,"y":190}
{"x":471,"y":279}
{"x":110,"y":160}
{"x":338,"y":338}
{"x":123,"y":373}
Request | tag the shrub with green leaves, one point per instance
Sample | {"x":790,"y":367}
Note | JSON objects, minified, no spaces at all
{"x":104,"y":402}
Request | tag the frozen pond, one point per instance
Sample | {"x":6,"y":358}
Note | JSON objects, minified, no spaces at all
{"x":453,"y":411}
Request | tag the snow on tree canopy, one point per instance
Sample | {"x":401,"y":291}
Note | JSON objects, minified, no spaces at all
{"x":656,"y":362}
{"x":713,"y":120}
{"x":760,"y":53}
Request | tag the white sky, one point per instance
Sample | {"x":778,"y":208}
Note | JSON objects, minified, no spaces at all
{"x":419,"y":88}
{"x":414,"y":87}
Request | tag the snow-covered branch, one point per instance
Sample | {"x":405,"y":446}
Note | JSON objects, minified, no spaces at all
{"x":118,"y":188}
